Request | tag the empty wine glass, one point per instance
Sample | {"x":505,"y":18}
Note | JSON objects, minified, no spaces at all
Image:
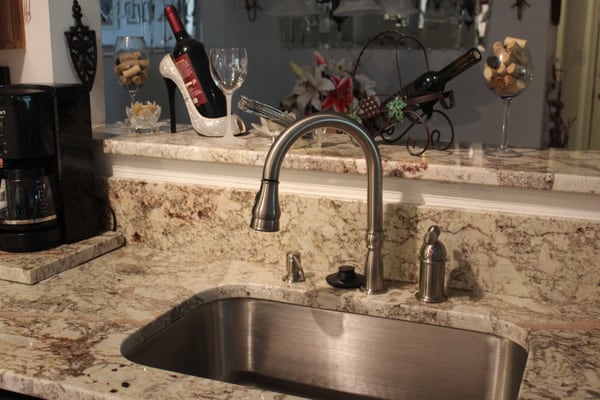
{"x":228,"y":68}
{"x":131,"y":63}
{"x":507,"y":72}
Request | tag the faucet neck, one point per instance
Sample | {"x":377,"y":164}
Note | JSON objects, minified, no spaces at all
{"x":267,"y":196}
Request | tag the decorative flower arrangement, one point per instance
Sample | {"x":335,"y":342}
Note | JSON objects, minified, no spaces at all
{"x":327,"y":86}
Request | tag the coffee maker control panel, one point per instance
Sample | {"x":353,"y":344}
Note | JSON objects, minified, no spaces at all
{"x":27,"y":130}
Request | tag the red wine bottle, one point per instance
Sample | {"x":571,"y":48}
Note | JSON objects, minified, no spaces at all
{"x":424,"y":92}
{"x":194,"y":66}
{"x":435,"y":81}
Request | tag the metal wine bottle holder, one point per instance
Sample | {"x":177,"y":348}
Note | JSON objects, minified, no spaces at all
{"x":416,"y":111}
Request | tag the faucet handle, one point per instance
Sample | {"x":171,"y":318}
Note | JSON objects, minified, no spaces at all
{"x":295,"y":273}
{"x":432,"y":268}
{"x":432,"y":249}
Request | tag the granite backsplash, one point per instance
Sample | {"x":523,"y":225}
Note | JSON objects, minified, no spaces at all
{"x":544,"y":258}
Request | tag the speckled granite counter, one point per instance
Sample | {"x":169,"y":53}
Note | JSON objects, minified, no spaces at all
{"x":33,"y":267}
{"x":560,"y":170}
{"x":532,"y":280}
{"x":61,"y":339}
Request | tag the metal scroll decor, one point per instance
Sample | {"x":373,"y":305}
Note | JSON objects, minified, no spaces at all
{"x":81,"y":41}
{"x":394,"y":116}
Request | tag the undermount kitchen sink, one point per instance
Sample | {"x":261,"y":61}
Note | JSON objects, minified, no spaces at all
{"x":324,"y":354}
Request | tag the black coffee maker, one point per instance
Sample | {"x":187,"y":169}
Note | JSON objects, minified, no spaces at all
{"x":47,"y":195}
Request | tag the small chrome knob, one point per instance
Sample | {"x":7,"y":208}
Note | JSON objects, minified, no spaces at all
{"x":295,"y":273}
{"x":432,"y":268}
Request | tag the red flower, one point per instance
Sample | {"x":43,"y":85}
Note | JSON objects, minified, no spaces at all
{"x":320,"y":59}
{"x":339,"y":98}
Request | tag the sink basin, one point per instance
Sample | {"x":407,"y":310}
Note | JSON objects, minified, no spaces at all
{"x":323,"y":354}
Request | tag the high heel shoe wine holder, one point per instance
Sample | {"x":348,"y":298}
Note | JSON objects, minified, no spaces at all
{"x":204,"y":126}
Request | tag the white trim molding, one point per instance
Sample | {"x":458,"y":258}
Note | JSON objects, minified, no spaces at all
{"x":473,"y":197}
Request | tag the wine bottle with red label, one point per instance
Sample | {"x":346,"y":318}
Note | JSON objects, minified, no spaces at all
{"x":194,"y":67}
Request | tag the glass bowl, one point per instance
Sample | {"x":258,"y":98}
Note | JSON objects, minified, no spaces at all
{"x":143,"y":117}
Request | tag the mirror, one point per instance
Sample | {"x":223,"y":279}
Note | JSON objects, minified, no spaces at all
{"x":476,"y":115}
{"x":144,"y":18}
{"x":270,"y":38}
{"x":438,"y":24}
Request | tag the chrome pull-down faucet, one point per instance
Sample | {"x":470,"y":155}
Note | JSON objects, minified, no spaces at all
{"x":266,"y":212}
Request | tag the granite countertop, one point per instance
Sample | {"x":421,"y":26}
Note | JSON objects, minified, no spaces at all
{"x":551,"y":169}
{"x":33,"y":267}
{"x":61,"y":338}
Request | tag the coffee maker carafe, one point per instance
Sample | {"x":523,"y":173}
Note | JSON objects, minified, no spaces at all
{"x":28,"y":206}
{"x":47,"y":192}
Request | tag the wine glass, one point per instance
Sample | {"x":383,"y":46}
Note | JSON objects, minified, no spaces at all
{"x":508,"y":70}
{"x":131,"y":63}
{"x":228,"y":68}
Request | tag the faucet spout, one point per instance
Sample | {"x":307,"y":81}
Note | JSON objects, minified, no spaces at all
{"x":266,"y":212}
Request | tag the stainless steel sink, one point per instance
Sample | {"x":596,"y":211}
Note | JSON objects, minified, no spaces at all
{"x":324,"y":354}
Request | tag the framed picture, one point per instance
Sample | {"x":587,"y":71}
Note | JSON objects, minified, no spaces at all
{"x":133,"y":12}
{"x":109,"y":14}
{"x":148,"y":11}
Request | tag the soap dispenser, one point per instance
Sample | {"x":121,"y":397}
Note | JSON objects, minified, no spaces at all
{"x":432,"y":257}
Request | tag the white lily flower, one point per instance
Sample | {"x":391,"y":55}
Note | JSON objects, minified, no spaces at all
{"x":310,"y":87}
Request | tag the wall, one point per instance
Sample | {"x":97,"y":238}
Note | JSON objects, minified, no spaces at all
{"x":577,"y":52}
{"x":46,"y":57}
